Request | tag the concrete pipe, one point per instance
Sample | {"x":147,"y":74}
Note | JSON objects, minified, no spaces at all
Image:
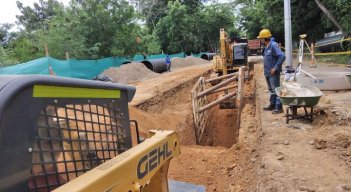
{"x":332,"y":44}
{"x":207,"y":56}
{"x":156,"y":65}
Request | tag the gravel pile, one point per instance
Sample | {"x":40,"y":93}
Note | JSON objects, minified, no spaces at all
{"x":130,"y":73}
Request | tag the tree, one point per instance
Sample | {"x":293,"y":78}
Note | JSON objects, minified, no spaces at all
{"x":24,"y":47}
{"x":183,"y":30}
{"x":5,"y":58}
{"x":329,"y":15}
{"x":39,"y":16}
{"x":5,"y":34}
{"x":101,"y":22}
{"x":154,"y":10}
{"x":174,"y":30}
{"x":307,"y":17}
{"x":340,"y":9}
{"x":64,"y":35}
{"x":210,"y":20}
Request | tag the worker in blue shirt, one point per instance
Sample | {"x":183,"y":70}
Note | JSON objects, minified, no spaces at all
{"x":168,"y":63}
{"x":273,"y":60}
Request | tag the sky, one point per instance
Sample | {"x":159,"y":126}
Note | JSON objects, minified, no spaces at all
{"x":9,"y":10}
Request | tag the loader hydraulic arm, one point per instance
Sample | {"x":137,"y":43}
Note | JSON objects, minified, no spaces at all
{"x":142,"y":168}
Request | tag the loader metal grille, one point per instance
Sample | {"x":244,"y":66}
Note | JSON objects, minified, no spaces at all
{"x":72,"y":140}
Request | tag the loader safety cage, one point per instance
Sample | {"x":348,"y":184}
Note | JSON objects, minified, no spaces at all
{"x":54,"y":129}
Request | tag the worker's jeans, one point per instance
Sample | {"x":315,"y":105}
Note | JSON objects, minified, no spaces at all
{"x":168,"y":67}
{"x":272,"y":83}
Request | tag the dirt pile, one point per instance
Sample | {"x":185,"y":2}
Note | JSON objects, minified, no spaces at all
{"x":186,"y":62}
{"x":339,"y":144}
{"x":331,"y":115}
{"x":130,"y":73}
{"x":196,"y":60}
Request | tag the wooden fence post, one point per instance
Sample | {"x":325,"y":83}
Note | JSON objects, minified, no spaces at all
{"x":312,"y":56}
{"x":46,"y":50}
{"x":240,"y":87}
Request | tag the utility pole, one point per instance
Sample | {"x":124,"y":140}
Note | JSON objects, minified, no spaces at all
{"x":287,"y":27}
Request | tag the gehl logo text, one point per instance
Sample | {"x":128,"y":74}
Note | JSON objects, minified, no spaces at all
{"x":151,"y":160}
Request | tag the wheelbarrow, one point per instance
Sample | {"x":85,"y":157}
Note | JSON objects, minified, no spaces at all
{"x":295,"y":95}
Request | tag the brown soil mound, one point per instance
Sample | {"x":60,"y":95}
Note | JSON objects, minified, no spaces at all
{"x":196,"y":60}
{"x":130,"y":73}
{"x":188,"y":61}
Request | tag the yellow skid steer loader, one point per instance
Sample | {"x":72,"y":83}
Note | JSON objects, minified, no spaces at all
{"x":67,"y":134}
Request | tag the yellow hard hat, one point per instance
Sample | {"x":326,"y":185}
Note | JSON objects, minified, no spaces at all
{"x":264,"y":33}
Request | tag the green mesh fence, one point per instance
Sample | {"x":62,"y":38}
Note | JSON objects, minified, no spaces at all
{"x":83,"y":69}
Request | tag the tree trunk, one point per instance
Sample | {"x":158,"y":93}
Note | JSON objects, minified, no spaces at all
{"x":329,"y":15}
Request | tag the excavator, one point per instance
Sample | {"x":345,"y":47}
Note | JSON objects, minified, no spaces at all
{"x":62,"y":134}
{"x":232,"y":55}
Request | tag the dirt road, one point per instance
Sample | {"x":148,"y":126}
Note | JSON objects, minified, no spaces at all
{"x":303,"y":156}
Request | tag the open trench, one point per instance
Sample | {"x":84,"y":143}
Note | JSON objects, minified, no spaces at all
{"x":173,"y":111}
{"x":220,"y":163}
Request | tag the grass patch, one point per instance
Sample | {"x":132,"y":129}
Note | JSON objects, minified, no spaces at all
{"x":339,"y":59}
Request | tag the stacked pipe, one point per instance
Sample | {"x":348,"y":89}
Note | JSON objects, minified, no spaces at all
{"x":156,"y":65}
{"x":207,"y":56}
{"x":332,"y":43}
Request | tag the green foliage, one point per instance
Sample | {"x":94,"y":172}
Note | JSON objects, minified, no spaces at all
{"x":5,"y":35}
{"x":150,"y":43}
{"x":174,"y":29}
{"x":39,"y":16}
{"x":125,"y":41}
{"x":211,"y":19}
{"x":104,"y":22}
{"x":64,"y":36}
{"x":93,"y":29}
{"x":154,"y":10}
{"x":5,"y":59}
{"x":341,"y":10}
{"x":181,"y":31}
{"x":25,"y":47}
{"x":338,"y":59}
{"x":88,"y":29}
{"x":306,"y":17}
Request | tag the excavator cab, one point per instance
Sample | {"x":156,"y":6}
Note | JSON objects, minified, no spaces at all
{"x":233,"y":54}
